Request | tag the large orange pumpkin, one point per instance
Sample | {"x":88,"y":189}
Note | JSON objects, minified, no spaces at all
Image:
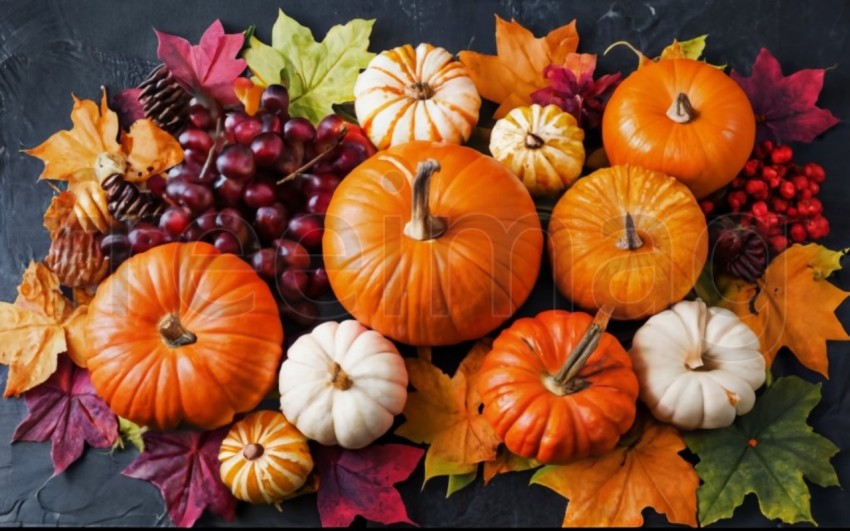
{"x":557,"y":388}
{"x":183,"y":333}
{"x":432,"y":243}
{"x":627,"y":237}
{"x":684,"y":118}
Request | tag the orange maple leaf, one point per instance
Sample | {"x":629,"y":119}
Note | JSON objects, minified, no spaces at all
{"x":506,"y":461}
{"x":793,"y":305}
{"x":613,"y":489}
{"x":36,"y":328}
{"x":510,"y":77}
{"x":443,"y":412}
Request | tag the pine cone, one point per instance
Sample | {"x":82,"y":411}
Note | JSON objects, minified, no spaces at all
{"x":127,"y":203}
{"x":164,"y":100}
{"x":739,"y":251}
{"x":75,"y":255}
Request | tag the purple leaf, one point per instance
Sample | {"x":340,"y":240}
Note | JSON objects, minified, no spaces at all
{"x":129,"y":107}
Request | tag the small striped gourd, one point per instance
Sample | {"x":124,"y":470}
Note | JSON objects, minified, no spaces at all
{"x":422,"y":94}
{"x":264,"y":458}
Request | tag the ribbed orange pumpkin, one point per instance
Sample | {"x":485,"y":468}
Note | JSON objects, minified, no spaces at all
{"x":264,"y":458}
{"x":449,"y":265}
{"x":543,"y":412}
{"x":627,"y":237}
{"x":684,"y":118}
{"x":183,"y":333}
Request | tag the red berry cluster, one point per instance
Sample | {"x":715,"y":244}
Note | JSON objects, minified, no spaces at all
{"x":778,"y":197}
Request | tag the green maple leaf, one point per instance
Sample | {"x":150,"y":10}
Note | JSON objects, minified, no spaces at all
{"x":129,"y":432}
{"x":317,"y":74}
{"x":767,"y":452}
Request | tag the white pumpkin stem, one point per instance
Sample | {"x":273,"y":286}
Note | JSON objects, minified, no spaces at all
{"x":422,"y":225}
{"x":420,"y":90}
{"x":173,"y":333}
{"x":533,"y":141}
{"x":339,"y":379}
{"x":681,"y":111}
{"x":585,"y":347}
{"x":253,"y":451}
{"x":630,"y":241}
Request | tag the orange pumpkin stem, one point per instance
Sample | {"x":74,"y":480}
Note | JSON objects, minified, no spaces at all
{"x":533,"y":141}
{"x":339,"y":379}
{"x":422,"y":225}
{"x":582,"y":351}
{"x":681,"y":111}
{"x":420,"y":91}
{"x":173,"y":333}
{"x":631,"y":240}
{"x":253,"y":451}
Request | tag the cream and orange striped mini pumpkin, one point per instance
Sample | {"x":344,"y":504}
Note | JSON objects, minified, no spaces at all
{"x":422,"y":94}
{"x":264,"y":458}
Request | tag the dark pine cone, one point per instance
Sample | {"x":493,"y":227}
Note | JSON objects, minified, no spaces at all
{"x":739,"y":251}
{"x":164,"y":100}
{"x":127,"y":203}
{"x":75,"y":255}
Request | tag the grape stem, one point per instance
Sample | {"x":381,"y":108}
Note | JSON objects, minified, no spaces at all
{"x":213,"y":149}
{"x":310,"y":163}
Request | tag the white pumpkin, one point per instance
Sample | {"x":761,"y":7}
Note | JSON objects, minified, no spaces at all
{"x":343,"y":384}
{"x":698,"y":367}
{"x":423,"y":94}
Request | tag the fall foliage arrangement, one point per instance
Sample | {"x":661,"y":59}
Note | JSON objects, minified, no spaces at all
{"x":205,"y":212}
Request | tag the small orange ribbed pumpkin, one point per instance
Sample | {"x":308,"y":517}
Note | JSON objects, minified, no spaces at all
{"x":684,"y":118}
{"x":183,"y":333}
{"x":627,"y":237}
{"x":264,"y":458}
{"x":432,"y":260}
{"x":557,"y":388}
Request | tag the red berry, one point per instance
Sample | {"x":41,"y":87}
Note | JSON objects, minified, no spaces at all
{"x":759,"y":209}
{"x":769,"y":173}
{"x":806,"y":194}
{"x":814,"y":188}
{"x":778,"y":243}
{"x":792,"y":212}
{"x":798,"y":233}
{"x":763,"y":150}
{"x":779,"y":205}
{"x":706,"y":206}
{"x":800,"y":182}
{"x":814,"y":172}
{"x":787,"y":190}
{"x":737,"y":182}
{"x":781,"y":171}
{"x":774,"y":183}
{"x":823,"y":225}
{"x":781,"y":154}
{"x":752,"y":167}
{"x":812,"y":229}
{"x":815,"y":207}
{"x":757,"y":188}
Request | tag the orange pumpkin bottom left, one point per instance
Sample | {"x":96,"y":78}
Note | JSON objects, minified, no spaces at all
{"x":183,"y":333}
{"x":557,"y":422}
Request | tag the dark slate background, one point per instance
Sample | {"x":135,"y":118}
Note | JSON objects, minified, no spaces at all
{"x":49,"y":49}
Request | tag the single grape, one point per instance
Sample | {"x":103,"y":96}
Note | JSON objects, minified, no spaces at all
{"x":144,"y":237}
{"x":227,"y":243}
{"x":201,"y":118}
{"x":306,"y":229}
{"x":291,"y":254}
{"x":270,"y":221}
{"x":292,"y":284}
{"x":236,"y":162}
{"x":330,"y":129}
{"x":115,"y":246}
{"x":175,"y":220}
{"x":204,"y":111}
{"x":259,"y":192}
{"x":228,"y":192}
{"x":275,"y":98}
{"x":299,"y":130}
{"x":207,"y":220}
{"x":193,"y":233}
{"x":196,"y":140}
{"x":230,"y":220}
{"x":309,"y":183}
{"x":270,"y":122}
{"x":247,"y":130}
{"x":350,"y":156}
{"x":196,"y":197}
{"x":156,"y":184}
{"x":233,"y":119}
{"x":303,"y":313}
{"x":174,"y":188}
{"x":267,"y":148}
{"x":319,"y":283}
{"x":318,"y":202}
{"x":290,"y":160}
{"x":197,"y":158}
{"x":263,"y":262}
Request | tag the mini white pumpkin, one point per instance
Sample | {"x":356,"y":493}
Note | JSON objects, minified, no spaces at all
{"x":423,"y":94}
{"x":698,"y":367}
{"x":343,"y":384}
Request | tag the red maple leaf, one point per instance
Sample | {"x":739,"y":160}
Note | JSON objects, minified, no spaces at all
{"x":785,"y":105}
{"x":210,"y":66}
{"x":66,"y":410}
{"x":128,"y":107}
{"x":573,"y":89}
{"x":184,"y":466}
{"x":360,"y":482}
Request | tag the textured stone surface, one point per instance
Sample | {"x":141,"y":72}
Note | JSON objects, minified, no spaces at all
{"x":49,"y":49}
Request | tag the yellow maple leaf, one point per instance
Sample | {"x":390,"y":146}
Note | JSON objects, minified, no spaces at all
{"x":444,"y":412}
{"x":506,"y":461}
{"x":793,"y":305}
{"x":612,"y":490}
{"x":510,"y":76}
{"x":36,"y":328}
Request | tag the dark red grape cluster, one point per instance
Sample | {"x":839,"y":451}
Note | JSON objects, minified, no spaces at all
{"x":255,"y":186}
{"x":778,"y":197}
